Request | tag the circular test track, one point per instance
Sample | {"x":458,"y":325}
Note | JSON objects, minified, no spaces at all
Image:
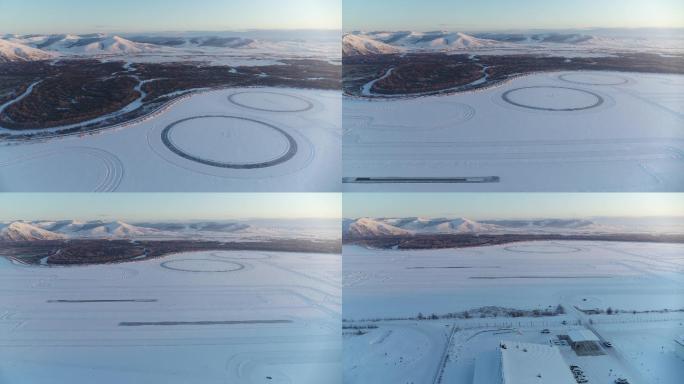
{"x":289,"y":154}
{"x":234,"y":99}
{"x":548,"y":248}
{"x":210,"y":265}
{"x":616,"y":80}
{"x":506,"y":96}
{"x":229,"y":255}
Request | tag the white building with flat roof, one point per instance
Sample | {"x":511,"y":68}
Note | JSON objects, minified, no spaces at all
{"x":583,"y":338}
{"x":527,"y":363}
{"x":581,"y":335}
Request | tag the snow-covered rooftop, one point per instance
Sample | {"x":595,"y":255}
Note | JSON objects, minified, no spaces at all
{"x":533,"y":363}
{"x":580,"y":335}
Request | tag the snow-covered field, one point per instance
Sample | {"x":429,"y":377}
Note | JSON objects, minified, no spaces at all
{"x":382,"y":284}
{"x":201,"y":317}
{"x":241,"y":139}
{"x":564,"y":131}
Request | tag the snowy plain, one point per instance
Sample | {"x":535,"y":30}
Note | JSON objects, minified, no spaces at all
{"x":239,"y":139}
{"x":204,"y":317}
{"x":383,"y":286}
{"x":561,"y":131}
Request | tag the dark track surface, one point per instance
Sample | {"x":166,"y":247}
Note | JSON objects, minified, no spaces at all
{"x":308,"y":106}
{"x":105,"y":301}
{"x":231,"y":266}
{"x":521,"y":249}
{"x":420,"y":180}
{"x":225,"y":322}
{"x":506,"y":98}
{"x":291,"y":152}
{"x":565,"y":75}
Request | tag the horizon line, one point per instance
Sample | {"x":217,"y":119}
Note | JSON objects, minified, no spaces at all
{"x":521,"y":218}
{"x":347,"y":30}
{"x":243,"y":30}
{"x":185,"y":220}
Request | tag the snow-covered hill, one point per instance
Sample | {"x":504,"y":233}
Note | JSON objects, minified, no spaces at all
{"x":22,"y":231}
{"x":118,"y":229}
{"x":550,"y":37}
{"x":360,"y":43}
{"x":365,"y":227}
{"x":369,"y":227}
{"x":437,"y":40}
{"x":208,"y":226}
{"x":97,"y":229}
{"x":181,"y":46}
{"x":363,"y":45}
{"x":13,"y":51}
{"x":444,"y":225}
{"x":195,"y":230}
{"x":93,"y":44}
{"x":109,"y":45}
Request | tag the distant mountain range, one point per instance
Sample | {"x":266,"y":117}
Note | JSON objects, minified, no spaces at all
{"x":364,"y":227}
{"x":411,"y":41}
{"x":178,"y":45}
{"x":373,"y":227}
{"x":41,"y":47}
{"x":211,"y":230}
{"x":386,"y":42}
{"x":54,"y":230}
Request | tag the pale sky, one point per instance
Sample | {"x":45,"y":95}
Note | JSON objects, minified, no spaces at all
{"x":226,"y":206}
{"x":87,"y":16}
{"x":477,"y":15}
{"x":478,"y":206}
{"x":168,"y":206}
